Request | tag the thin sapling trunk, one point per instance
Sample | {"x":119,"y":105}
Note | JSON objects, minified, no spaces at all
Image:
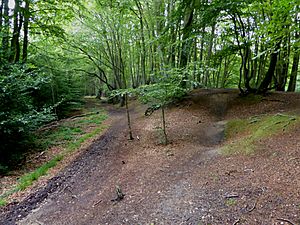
{"x":128,"y":117}
{"x":164,"y":124}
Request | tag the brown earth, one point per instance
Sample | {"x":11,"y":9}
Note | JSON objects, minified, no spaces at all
{"x":185,"y":182}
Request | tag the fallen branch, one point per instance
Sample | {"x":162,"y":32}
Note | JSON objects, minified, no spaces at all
{"x":97,"y":203}
{"x":233,"y":195}
{"x":71,"y":192}
{"x":285,"y":220}
{"x":84,"y":115}
{"x":253,"y":207}
{"x":273,"y":100}
{"x":120,"y":195}
{"x":56,"y":124}
{"x":49,"y":126}
{"x":236,"y":222}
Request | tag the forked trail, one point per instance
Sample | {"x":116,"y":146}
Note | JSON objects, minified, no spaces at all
{"x":185,"y":182}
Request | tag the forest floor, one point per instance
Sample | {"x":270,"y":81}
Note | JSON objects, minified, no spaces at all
{"x":188,"y":181}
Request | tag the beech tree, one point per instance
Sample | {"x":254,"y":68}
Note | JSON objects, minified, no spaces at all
{"x":249,"y":44}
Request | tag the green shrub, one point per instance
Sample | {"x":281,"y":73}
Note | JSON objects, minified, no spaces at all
{"x":18,"y":114}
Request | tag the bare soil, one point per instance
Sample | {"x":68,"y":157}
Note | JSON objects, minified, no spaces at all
{"x":185,"y":182}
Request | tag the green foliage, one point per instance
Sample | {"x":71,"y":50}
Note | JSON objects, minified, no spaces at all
{"x":94,"y":119}
{"x":77,"y":143}
{"x":19,"y":115}
{"x":230,"y":202}
{"x":70,"y":134}
{"x":167,"y":88}
{"x":2,"y":202}
{"x":246,"y":134}
{"x":66,"y":87}
{"x":28,"y":179}
{"x":75,"y":137}
{"x":3,"y":169}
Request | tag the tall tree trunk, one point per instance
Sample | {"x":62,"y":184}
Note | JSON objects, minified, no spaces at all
{"x":201,"y":54}
{"x":261,"y":67}
{"x":164,"y":124}
{"x":5,"y":30}
{"x":1,"y":14}
{"x":254,"y":64}
{"x":143,"y":44}
{"x":209,"y":54}
{"x":293,"y":77}
{"x":186,"y":42}
{"x":15,"y":42}
{"x":283,"y":65}
{"x":195,"y":61}
{"x":188,"y":22}
{"x":128,"y":117}
{"x":270,"y":73}
{"x":26,"y":30}
{"x":294,"y":72}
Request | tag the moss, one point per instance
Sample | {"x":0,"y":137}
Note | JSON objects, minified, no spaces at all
{"x":246,"y":134}
{"x":2,"y":202}
{"x":252,"y":98}
{"x":230,"y":202}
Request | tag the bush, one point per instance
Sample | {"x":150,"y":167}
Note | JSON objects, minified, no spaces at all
{"x":19,"y":116}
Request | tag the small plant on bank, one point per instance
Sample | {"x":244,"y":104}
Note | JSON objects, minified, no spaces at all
{"x":2,"y":202}
{"x":230,"y":202}
{"x":167,"y":89}
{"x":124,"y":94}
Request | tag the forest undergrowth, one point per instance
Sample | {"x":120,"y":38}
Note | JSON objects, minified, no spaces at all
{"x":53,"y":144}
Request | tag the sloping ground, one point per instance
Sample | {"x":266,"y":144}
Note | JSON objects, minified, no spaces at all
{"x":185,"y":182}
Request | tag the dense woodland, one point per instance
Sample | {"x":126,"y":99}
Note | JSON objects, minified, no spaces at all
{"x":54,"y":52}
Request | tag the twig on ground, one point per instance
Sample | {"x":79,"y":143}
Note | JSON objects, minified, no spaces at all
{"x":294,"y":158}
{"x":273,"y":100}
{"x":229,"y":173}
{"x":285,"y":220}
{"x":97,"y":203}
{"x":120,"y":195}
{"x":84,"y":115}
{"x":236,"y":222}
{"x":233,"y":195}
{"x":72,"y":194}
{"x":253,"y":207}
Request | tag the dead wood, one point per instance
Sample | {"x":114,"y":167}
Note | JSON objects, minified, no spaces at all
{"x":252,"y":208}
{"x":285,"y":220}
{"x":233,"y":195}
{"x":97,"y":203}
{"x":120,"y":195}
{"x":84,"y":115}
{"x":236,"y":222}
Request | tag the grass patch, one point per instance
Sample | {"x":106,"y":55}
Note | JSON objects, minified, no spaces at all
{"x":69,"y":131}
{"x":2,"y":202}
{"x":251,"y":131}
{"x":28,"y":179}
{"x":69,"y":136}
{"x":94,"y":119}
{"x":230,"y":202}
{"x":252,"y":98}
{"x":61,"y":135}
{"x":77,"y":143}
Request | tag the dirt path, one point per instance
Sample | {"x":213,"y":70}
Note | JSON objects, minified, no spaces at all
{"x":185,"y":182}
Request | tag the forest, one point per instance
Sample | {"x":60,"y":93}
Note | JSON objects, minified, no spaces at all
{"x":54,"y":52}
